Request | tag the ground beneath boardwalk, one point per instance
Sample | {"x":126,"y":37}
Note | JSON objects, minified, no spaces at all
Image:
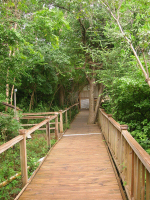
{"x":78,"y":168}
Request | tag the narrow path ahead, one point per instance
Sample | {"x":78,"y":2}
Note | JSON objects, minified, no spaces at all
{"x":78,"y":168}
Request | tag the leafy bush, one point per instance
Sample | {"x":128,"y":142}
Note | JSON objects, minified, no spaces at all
{"x":130,"y":104}
{"x":9,"y":127}
{"x":10,"y":164}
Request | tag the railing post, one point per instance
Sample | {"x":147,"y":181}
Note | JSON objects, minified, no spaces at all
{"x":48,"y":135}
{"x":122,"y":127}
{"x":66,"y":118}
{"x":61,"y":121}
{"x":56,"y":128}
{"x":70,"y":114}
{"x":132,"y":175}
{"x":109,"y":115}
{"x":23,"y":157}
{"x":147,"y":185}
{"x":102,"y":123}
{"x":100,"y":118}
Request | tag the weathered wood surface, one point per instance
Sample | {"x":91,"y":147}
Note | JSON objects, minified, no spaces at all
{"x":10,"y":143}
{"x":77,"y":168}
{"x":132,"y":161}
{"x":10,"y":106}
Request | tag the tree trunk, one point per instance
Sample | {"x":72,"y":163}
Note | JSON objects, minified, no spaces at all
{"x":61,"y":96}
{"x":12,"y":91}
{"x":32,"y":99}
{"x":7,"y":85}
{"x":7,"y":90}
{"x":91,"y":101}
{"x":58,"y":87}
{"x":99,"y":99}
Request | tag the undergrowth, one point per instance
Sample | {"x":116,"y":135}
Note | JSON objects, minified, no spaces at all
{"x":10,"y":159}
{"x":10,"y":164}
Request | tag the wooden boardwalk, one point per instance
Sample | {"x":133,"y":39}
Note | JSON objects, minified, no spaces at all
{"x":77,"y":168}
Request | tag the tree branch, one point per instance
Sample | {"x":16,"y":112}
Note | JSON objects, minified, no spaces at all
{"x":62,"y":7}
{"x":145,"y":64}
{"x":83,"y":31}
{"x":128,"y":41}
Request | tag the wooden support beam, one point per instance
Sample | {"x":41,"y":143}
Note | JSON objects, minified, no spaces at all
{"x":48,"y":135}
{"x":66,"y":115}
{"x":10,"y":143}
{"x":10,"y":106}
{"x":147,"y":185}
{"x":36,"y":127}
{"x":34,"y":117}
{"x":132,"y":161}
{"x":56,"y":128}
{"x":23,"y":157}
{"x":143,"y":183}
{"x":61,"y":121}
{"x":40,"y":113}
{"x":70,"y":114}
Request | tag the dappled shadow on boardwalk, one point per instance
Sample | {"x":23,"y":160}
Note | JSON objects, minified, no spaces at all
{"x":78,"y":167}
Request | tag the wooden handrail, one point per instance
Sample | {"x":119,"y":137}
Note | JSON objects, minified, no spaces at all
{"x":47,"y":113}
{"x":116,"y":124}
{"x":10,"y":143}
{"x":140,"y":152}
{"x":36,"y":127}
{"x":61,"y":112}
{"x":10,"y":106}
{"x":132,"y":161}
{"x":41,"y":113}
{"x":24,"y":133}
{"x":33,"y":117}
{"x":22,"y":139}
{"x":70,"y":107}
{"x":36,"y":124}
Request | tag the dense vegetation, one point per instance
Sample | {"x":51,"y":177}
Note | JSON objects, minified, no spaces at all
{"x":49,"y":50}
{"x":10,"y":159}
{"x":10,"y":164}
{"x":130,"y":104}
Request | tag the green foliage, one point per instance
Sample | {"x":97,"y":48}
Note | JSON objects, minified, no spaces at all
{"x":9,"y":127}
{"x":129,"y":102}
{"x":27,"y":39}
{"x":10,"y":164}
{"x":47,"y":24}
{"x":10,"y":160}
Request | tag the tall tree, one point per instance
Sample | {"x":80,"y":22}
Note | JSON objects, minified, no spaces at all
{"x":132,"y":19}
{"x":87,"y":25}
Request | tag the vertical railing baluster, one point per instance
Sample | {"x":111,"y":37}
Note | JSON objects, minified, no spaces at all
{"x":61,"y":121}
{"x":108,"y":134}
{"x":143,"y":183}
{"x":132,"y":176}
{"x":48,"y":135}
{"x":66,"y":115}
{"x":147,"y":185}
{"x":23,"y":157}
{"x":56,"y":128}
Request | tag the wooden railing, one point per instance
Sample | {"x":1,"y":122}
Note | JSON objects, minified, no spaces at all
{"x":65,"y":112}
{"x":132,"y":161}
{"x":61,"y":118}
{"x":21,"y":138}
{"x":24,"y":133}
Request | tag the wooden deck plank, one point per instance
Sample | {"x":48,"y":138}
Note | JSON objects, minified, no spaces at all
{"x":78,"y":168}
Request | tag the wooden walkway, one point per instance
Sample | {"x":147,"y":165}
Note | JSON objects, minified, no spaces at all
{"x":77,"y":168}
